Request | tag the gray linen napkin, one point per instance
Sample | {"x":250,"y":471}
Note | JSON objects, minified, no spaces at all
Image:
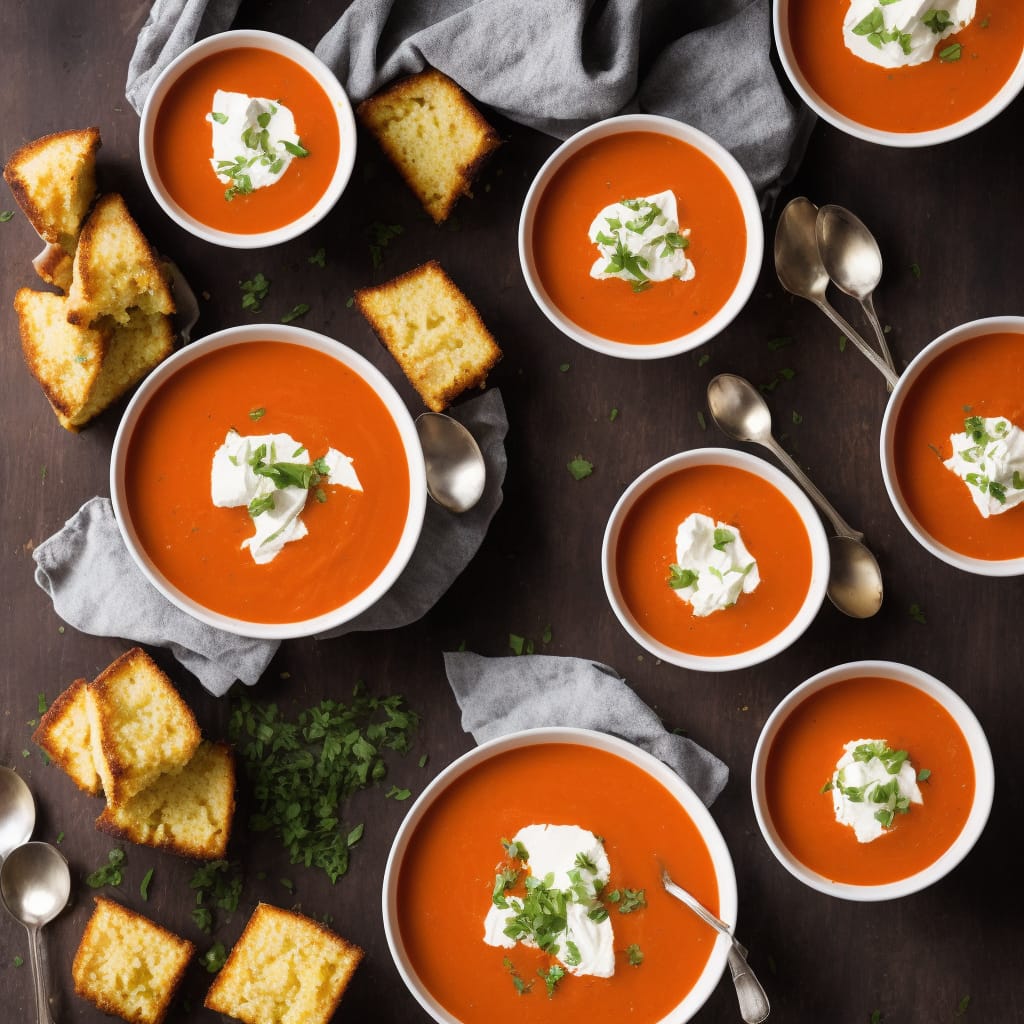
{"x":502,"y":695}
{"x":96,"y":586}
{"x":555,"y":65}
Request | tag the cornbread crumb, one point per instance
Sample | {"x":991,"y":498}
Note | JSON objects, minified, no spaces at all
{"x":433,"y":134}
{"x":187,"y":812}
{"x":141,"y":728}
{"x":65,"y":735}
{"x":433,"y":331}
{"x":128,"y":965}
{"x":285,"y":969}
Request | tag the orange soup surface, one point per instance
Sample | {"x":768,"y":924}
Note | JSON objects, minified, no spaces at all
{"x":911,"y":99}
{"x":803,"y":757}
{"x":981,"y":377}
{"x":182,"y":141}
{"x":321,"y":404}
{"x":628,"y":166}
{"x":448,"y":875}
{"x":771,"y":529}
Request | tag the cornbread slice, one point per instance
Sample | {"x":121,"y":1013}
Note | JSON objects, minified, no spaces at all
{"x":285,"y":969}
{"x":115,"y":268}
{"x":65,"y":735}
{"x":187,"y":812}
{"x":141,"y":728}
{"x":128,"y":965}
{"x":65,"y":359}
{"x":54,"y":181}
{"x":433,"y":134}
{"x":433,"y":331}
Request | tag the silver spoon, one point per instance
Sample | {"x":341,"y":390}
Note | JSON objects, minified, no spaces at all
{"x":853,"y":260}
{"x":754,"y":1006}
{"x":456,"y":472}
{"x":35,"y":885}
{"x":854,"y":579}
{"x":17,"y":812}
{"x":802,"y":273}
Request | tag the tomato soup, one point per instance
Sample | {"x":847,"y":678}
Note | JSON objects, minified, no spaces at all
{"x":198,"y":547}
{"x":803,"y":757}
{"x":910,"y":99}
{"x":980,"y":377}
{"x":182,"y":140}
{"x":448,"y":874}
{"x":771,"y":529}
{"x":628,"y":166}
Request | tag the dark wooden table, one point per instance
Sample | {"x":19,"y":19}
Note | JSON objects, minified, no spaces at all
{"x":955,"y":211}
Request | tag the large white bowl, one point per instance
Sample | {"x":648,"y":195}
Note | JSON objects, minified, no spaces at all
{"x":984,"y":780}
{"x":961,"y":335}
{"x":688,"y":800}
{"x":410,"y":444}
{"x":815,"y":534}
{"x":1002,"y":99}
{"x":737,"y":179}
{"x":285,"y":47}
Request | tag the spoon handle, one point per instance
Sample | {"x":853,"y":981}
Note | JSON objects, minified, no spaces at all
{"x":40,"y":976}
{"x":754,"y":1006}
{"x":873,"y":357}
{"x":868,"y":305}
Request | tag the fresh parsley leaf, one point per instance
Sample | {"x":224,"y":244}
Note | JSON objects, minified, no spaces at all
{"x":580,"y":468}
{"x":260,"y":505}
{"x":215,"y":957}
{"x":111,"y":873}
{"x":680,"y":578}
{"x":6,"y":215}
{"x":144,"y":886}
{"x":394,"y":793}
{"x":924,"y":775}
{"x":635,"y":955}
{"x":917,"y":614}
{"x":296,"y":149}
{"x":41,"y":704}
{"x":257,"y":414}
{"x":723,"y":537}
{"x":254,"y":291}
{"x":522,"y":987}
{"x":18,"y":961}
{"x":319,"y":258}
{"x":296,"y":311}
{"x":219,"y":118}
{"x":551,"y":977}
{"x":950,"y":53}
{"x":217,"y":885}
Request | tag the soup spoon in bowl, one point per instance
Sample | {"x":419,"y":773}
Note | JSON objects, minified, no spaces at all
{"x":456,"y":472}
{"x":854,"y":578}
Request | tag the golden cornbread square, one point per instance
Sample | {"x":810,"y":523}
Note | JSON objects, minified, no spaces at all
{"x":433,"y":331}
{"x":433,"y":135}
{"x":128,"y":965}
{"x":285,"y":969}
{"x":65,"y":735}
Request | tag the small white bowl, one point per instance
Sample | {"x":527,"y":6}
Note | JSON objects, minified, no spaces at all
{"x":815,"y":535}
{"x":981,"y":755}
{"x":285,"y":47}
{"x":961,"y":335}
{"x":737,"y":179}
{"x":1002,"y":99}
{"x":234,"y":336}
{"x":724,"y":874}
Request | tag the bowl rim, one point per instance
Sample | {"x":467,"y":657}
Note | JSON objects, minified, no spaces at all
{"x":1007,"y":93}
{"x":738,"y":181}
{"x":284,"y":334}
{"x":721,"y":859}
{"x":816,"y":537}
{"x":325,"y":78}
{"x":981,"y":756}
{"x":955,"y":336}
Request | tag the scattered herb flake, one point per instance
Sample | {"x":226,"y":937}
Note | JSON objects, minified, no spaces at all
{"x":144,"y":887}
{"x":17,"y":961}
{"x":917,"y":614}
{"x":522,"y":987}
{"x":296,"y":311}
{"x":545,"y":637}
{"x":350,"y":302}
{"x":380,"y":236}
{"x":965,"y":1002}
{"x":422,"y":761}
{"x":843,"y":340}
{"x":551,"y":977}
{"x":613,"y":415}
{"x":915,"y":269}
{"x":950,"y":53}
{"x":60,"y":838}
{"x":580,"y":468}
{"x":319,"y":258}
{"x":564,"y":367}
{"x":703,"y":359}
{"x":635,"y":955}
{"x":214,"y":957}
{"x":701,"y":421}
{"x":288,"y":884}
{"x":6,"y":215}
{"x":797,"y":418}
{"x":924,"y":775}
{"x":394,"y":793}
{"x":257,"y":414}
{"x":254,"y":291}
{"x":217,"y":885}
{"x":111,"y":873}
{"x":776,"y":343}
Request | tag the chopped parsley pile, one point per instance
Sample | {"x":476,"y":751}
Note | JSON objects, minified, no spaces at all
{"x":886,"y":794}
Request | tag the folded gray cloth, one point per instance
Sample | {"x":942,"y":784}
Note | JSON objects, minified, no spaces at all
{"x":96,"y":586}
{"x":502,"y":695}
{"x":555,"y":65}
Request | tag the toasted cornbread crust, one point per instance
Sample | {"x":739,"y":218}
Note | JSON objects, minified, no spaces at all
{"x":64,"y":735}
{"x":425,"y":112}
{"x":95,"y":967}
{"x":271,"y":935}
{"x":433,"y":331}
{"x":55,"y":266}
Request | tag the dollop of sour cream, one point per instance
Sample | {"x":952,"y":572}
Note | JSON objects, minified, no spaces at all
{"x":639,"y":241}
{"x":713,"y":566}
{"x":251,"y":140}
{"x":573,"y":861}
{"x":275,"y":509}
{"x":989,"y":457}
{"x":903,"y":33}
{"x":872,"y":783}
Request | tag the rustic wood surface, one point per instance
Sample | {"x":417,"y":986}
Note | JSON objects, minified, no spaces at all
{"x":955,"y":211}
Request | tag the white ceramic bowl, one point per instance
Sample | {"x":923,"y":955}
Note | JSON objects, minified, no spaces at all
{"x":688,"y":800}
{"x":1002,"y":99}
{"x":410,"y":443}
{"x":285,"y":47}
{"x":737,"y":179}
{"x":984,"y":780}
{"x":962,"y":335}
{"x":815,"y":534}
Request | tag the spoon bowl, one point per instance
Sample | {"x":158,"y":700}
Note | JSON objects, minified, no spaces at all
{"x":454,"y":464}
{"x":17,"y":812}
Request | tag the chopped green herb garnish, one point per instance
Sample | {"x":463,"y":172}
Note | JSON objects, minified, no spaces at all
{"x":545,"y":637}
{"x":257,"y":414}
{"x":937,"y":21}
{"x":296,"y":149}
{"x":394,"y":793}
{"x":703,"y":359}
{"x":380,"y":236}
{"x":217,"y":885}
{"x":572,"y":957}
{"x":318,"y":259}
{"x":254,"y":291}
{"x":551,"y":977}
{"x":354,"y":836}
{"x":842,"y":342}
{"x":580,"y":468}
{"x":111,"y":873}
{"x":680,"y":578}
{"x":522,"y":987}
{"x":917,"y":614}
{"x":965,"y":1002}
{"x":701,"y":421}
{"x":564,"y":367}
{"x":950,"y":53}
{"x":6,"y":215}
{"x":515,"y":850}
{"x":635,"y":955}
{"x":215,"y":957}
{"x":613,"y":415}
{"x":41,"y":704}
{"x":915,"y":269}
{"x":60,"y":838}
{"x":18,"y":961}
{"x":260,"y":505}
{"x":144,"y":887}
{"x":219,"y":118}
{"x":924,"y":775}
{"x":296,"y":311}
{"x":797,"y":418}
{"x":520,"y":645}
{"x":723,"y":537}
{"x":422,"y":761}
{"x":776,"y":343}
